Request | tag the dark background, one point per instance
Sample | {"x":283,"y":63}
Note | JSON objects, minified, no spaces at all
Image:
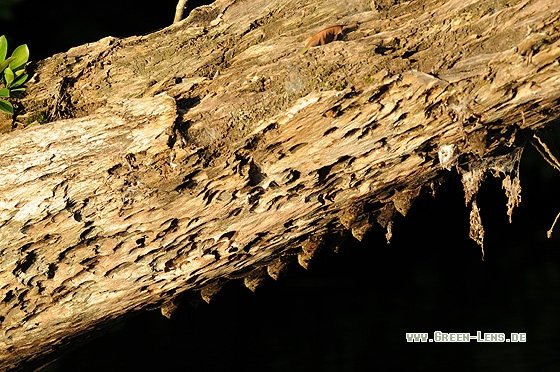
{"x":350,"y":311}
{"x":54,"y":26}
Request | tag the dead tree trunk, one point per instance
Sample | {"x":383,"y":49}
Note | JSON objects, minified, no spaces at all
{"x":214,"y":149}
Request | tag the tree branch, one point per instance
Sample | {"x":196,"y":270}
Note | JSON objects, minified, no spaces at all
{"x":212,"y":149}
{"x":179,"y":9}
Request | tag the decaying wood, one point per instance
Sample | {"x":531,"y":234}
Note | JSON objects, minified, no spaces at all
{"x":213,"y":149}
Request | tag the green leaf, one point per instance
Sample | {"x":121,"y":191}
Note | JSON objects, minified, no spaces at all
{"x":4,"y":92}
{"x":3,"y":47}
{"x":6,"y":107}
{"x":17,"y":92}
{"x":8,"y":76}
{"x":5,"y":63}
{"x":18,"y":81}
{"x":22,"y":56}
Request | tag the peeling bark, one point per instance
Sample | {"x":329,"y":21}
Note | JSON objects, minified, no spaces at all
{"x":214,"y":150}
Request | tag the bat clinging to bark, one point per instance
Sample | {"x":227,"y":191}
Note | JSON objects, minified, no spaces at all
{"x":323,"y":37}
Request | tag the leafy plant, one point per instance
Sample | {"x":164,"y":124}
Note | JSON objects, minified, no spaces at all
{"x":12,"y":73}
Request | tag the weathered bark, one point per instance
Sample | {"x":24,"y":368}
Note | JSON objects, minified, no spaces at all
{"x":214,"y":149}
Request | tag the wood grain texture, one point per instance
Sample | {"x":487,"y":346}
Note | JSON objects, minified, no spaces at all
{"x":212,"y":149}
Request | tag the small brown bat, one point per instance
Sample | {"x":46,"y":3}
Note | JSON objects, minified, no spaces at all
{"x":323,"y":37}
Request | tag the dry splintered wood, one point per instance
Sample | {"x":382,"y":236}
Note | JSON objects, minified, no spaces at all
{"x":213,"y":150}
